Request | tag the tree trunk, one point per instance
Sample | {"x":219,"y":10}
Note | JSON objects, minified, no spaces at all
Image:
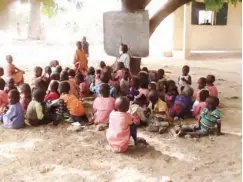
{"x":134,"y":5}
{"x":163,"y":12}
{"x":4,"y":18}
{"x":35,"y":20}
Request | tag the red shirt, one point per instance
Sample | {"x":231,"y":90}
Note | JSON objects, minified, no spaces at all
{"x":52,"y":96}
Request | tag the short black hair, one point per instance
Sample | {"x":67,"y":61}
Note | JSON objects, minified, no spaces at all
{"x":203,"y":95}
{"x":25,"y":88}
{"x":54,"y":86}
{"x":48,"y":69}
{"x":210,"y":79}
{"x":145,"y":69}
{"x":79,"y":78}
{"x":136,"y":82}
{"x":124,"y":48}
{"x":39,"y":95}
{"x":144,"y":80}
{"x":105,"y":90}
{"x":105,"y":77}
{"x":64,"y":87}
{"x":71,"y":72}
{"x":64,"y":76}
{"x":58,"y":69}
{"x":55,"y":76}
{"x":120,"y":65}
{"x":102,"y":64}
{"x":91,"y":70}
{"x":38,"y":69}
{"x":15,"y":94}
{"x":203,"y":80}
{"x":161,"y":73}
{"x":2,"y":84}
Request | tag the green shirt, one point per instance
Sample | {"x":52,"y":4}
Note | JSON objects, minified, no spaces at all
{"x":209,"y":120}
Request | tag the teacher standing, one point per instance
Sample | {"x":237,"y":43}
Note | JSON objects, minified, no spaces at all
{"x":124,"y":56}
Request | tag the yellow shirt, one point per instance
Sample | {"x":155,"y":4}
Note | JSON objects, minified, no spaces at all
{"x":160,"y":106}
{"x":73,"y":105}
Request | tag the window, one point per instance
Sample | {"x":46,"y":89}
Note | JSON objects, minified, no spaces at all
{"x":201,"y":16}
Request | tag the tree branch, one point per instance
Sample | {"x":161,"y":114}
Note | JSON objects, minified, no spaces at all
{"x":163,"y":12}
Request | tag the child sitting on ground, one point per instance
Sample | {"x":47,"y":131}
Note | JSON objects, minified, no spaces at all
{"x":83,"y":87}
{"x":143,"y":79}
{"x":213,"y":91}
{"x":159,"y":118}
{"x":38,"y":75}
{"x":3,"y":96}
{"x":71,"y":75}
{"x":10,"y":85}
{"x":209,"y":118}
{"x":97,"y":77}
{"x":53,"y":94}
{"x":25,"y":96}
{"x":14,"y":116}
{"x":13,"y":72}
{"x":121,"y":127}
{"x":114,"y":82}
{"x":199,"y":108}
{"x":73,"y":86}
{"x":201,"y":86}
{"x":161,"y":80}
{"x":137,"y":110}
{"x":90,"y":76}
{"x":152,"y":86}
{"x":119,"y":71}
{"x":171,"y":92}
{"x":183,"y":104}
{"x":47,"y":75}
{"x":74,"y":106}
{"x":125,"y":83}
{"x":185,"y":79}
{"x":102,"y":107}
{"x":134,"y":88}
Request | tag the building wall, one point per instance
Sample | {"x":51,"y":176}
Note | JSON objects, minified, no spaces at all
{"x":203,"y":37}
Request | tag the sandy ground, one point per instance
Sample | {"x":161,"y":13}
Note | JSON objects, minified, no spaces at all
{"x":53,"y":154}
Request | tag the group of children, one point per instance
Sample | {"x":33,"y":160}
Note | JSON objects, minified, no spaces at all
{"x":122,"y":101}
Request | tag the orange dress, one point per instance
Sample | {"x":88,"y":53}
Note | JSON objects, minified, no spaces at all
{"x":80,"y":61}
{"x":17,"y":76}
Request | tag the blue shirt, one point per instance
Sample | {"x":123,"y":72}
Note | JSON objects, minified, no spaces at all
{"x":96,"y":89}
{"x":14,"y":117}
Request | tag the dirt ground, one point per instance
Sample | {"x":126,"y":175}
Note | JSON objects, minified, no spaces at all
{"x":53,"y":154}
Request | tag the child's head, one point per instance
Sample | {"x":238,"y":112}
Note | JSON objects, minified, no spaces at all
{"x":145,"y":69}
{"x":141,"y":100}
{"x":38,"y":71}
{"x":161,"y":73}
{"x":210,"y":79}
{"x":135,"y":82}
{"x":64,"y":88}
{"x":71,"y":73}
{"x":203,"y":95}
{"x":123,"y":48}
{"x":2,"y":84}
{"x":154,"y":76}
{"x":105,"y":90}
{"x":1,"y":71}
{"x":64,"y":76}
{"x":10,"y":82}
{"x":105,"y":77}
{"x":59,"y":69}
{"x":171,"y":88}
{"x":39,"y":95}
{"x":153,"y":96}
{"x":185,"y":70}
{"x":66,"y":69}
{"x":79,"y":45}
{"x":187,"y":91}
{"x":120,"y":65}
{"x":55,"y":76}
{"x":125,"y":74}
{"x":202,"y":83}
{"x":91,"y":71}
{"x":48,"y":70}
{"x":152,"y":86}
{"x":13,"y":97}
{"x":102,"y":65}
{"x":25,"y":89}
{"x":79,"y":78}
{"x":212,"y":102}
{"x":9,"y":59}
{"x":54,"y":63}
{"x":108,"y":69}
{"x":144,"y":81}
{"x":122,"y":104}
{"x":40,"y":84}
{"x":54,"y":86}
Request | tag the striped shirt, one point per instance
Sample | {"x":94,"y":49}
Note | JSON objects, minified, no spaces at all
{"x":209,"y":120}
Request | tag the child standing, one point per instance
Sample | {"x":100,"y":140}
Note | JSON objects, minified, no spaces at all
{"x":103,"y":106}
{"x":13,"y":72}
{"x":25,"y":96}
{"x":209,"y":118}
{"x":185,"y":79}
{"x":80,"y":60}
{"x":74,"y":106}
{"x":119,"y":131}
{"x":213,"y":91}
{"x":201,"y":86}
{"x":53,"y":94}
{"x":14,"y":117}
{"x":199,"y":108}
{"x":3,"y":96}
{"x":125,"y":83}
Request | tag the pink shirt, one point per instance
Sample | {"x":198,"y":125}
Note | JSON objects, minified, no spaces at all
{"x":198,"y":109}
{"x":118,"y":133}
{"x":213,"y":91}
{"x":119,"y":74}
{"x":3,"y":100}
{"x":103,"y":107}
{"x":144,"y":92}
